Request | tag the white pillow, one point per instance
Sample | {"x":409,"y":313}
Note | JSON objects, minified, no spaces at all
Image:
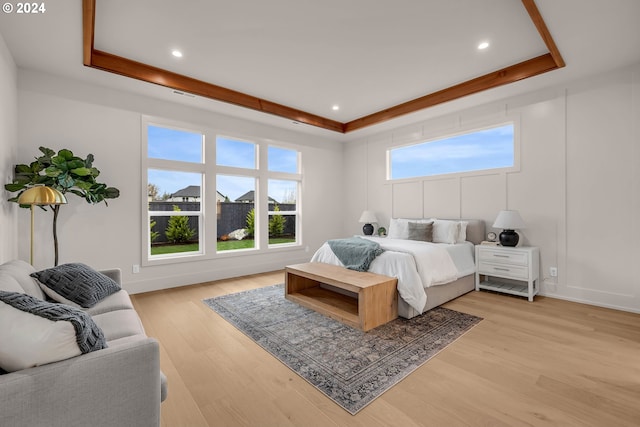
{"x":398,"y":228}
{"x":36,"y":332}
{"x":445,"y":231}
{"x":29,"y":340}
{"x":9,"y":284}
{"x":20,"y":270}
{"x":462,"y":231}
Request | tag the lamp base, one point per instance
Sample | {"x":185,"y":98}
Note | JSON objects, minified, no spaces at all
{"x":367,"y":229}
{"x":509,"y":238}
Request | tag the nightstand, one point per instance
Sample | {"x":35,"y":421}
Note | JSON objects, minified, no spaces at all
{"x":520,"y":265}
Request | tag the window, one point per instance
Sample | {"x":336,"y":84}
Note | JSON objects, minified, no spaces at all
{"x":237,"y":212}
{"x":256,"y":198}
{"x":174,"y":181}
{"x":489,"y":148}
{"x":283,"y":214}
{"x":284,"y":195}
{"x":239,"y":154}
{"x":283,"y":160}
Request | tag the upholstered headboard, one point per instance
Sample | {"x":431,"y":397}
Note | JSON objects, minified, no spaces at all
{"x":475,"y":230}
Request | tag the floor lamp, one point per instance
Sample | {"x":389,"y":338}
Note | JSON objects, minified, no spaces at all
{"x":40,"y":196}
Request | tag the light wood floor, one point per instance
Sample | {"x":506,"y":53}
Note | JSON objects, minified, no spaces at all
{"x":546,"y":363}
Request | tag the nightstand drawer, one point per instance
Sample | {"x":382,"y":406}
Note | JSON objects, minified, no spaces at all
{"x":501,"y":256}
{"x":508,"y":271}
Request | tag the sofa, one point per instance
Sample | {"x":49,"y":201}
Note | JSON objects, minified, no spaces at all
{"x":120,"y":384}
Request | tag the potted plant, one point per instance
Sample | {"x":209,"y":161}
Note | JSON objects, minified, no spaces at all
{"x":66,"y":173}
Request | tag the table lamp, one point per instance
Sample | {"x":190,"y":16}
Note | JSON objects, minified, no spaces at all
{"x":509,"y":221}
{"x":368,"y":217}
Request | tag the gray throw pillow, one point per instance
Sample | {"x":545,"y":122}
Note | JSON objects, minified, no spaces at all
{"x":422,"y":231}
{"x":77,"y":283}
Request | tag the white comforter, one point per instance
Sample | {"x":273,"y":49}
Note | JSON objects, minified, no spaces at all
{"x":416,"y":265}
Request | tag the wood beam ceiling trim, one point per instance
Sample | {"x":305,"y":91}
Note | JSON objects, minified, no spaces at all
{"x":147,"y":73}
{"x":520,"y":71}
{"x":88,"y":30}
{"x":126,"y":67}
{"x":541,"y":26}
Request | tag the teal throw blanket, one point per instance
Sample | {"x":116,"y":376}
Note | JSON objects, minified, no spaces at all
{"x":355,"y":253}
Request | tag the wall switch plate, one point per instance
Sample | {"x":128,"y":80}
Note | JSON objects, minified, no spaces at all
{"x":553,"y":271}
{"x":136,"y":269}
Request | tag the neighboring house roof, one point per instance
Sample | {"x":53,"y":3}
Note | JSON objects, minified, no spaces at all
{"x":250,"y":196}
{"x":193,"y":191}
{"x":190,"y":191}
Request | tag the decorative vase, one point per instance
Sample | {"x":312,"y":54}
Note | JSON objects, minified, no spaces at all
{"x":509,"y":238}
{"x":367,"y":229}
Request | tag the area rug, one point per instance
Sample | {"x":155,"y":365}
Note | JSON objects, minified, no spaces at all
{"x":349,"y":366}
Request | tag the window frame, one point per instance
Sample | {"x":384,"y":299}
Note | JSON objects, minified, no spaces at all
{"x":209,"y":170}
{"x":469,"y":129}
{"x":296,"y":212}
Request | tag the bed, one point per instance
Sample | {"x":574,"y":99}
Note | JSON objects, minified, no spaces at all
{"x":429,"y":273}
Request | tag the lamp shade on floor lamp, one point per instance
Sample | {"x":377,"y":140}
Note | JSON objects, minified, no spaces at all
{"x":40,"y":196}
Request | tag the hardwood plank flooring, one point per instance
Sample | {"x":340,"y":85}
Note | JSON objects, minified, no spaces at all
{"x":546,"y":363}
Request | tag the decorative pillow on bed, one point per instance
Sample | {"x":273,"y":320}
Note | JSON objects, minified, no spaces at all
{"x":36,"y":332}
{"x":462,"y":231}
{"x":398,"y":228}
{"x":422,"y":231}
{"x":445,"y":231}
{"x":76,"y":284}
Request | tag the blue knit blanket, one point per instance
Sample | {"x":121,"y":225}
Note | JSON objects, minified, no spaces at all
{"x":355,"y":253}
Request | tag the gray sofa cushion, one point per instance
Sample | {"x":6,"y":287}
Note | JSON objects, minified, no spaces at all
{"x":118,"y":324}
{"x":77,"y":283}
{"x":118,"y":301}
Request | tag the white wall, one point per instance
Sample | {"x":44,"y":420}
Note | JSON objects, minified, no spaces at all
{"x":577,"y":187}
{"x":61,"y":113}
{"x":8,"y":151}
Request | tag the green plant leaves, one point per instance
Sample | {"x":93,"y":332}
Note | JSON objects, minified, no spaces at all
{"x":48,"y":152}
{"x":65,"y":172}
{"x":82,"y":171}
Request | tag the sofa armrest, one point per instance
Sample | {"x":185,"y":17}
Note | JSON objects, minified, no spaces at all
{"x":116,"y":386}
{"x":114,"y":273}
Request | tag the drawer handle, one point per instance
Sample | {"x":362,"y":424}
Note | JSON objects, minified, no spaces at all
{"x":501,"y":269}
{"x":501,"y":256}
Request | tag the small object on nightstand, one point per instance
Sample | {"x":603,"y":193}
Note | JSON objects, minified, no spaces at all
{"x":491,"y":236}
{"x":382,"y":232}
{"x":490,"y":243}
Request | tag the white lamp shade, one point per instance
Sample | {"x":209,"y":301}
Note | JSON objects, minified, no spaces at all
{"x":368,"y":217}
{"x":509,"y":220}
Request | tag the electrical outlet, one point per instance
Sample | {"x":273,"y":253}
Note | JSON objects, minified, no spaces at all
{"x":136,"y":269}
{"x":553,"y":271}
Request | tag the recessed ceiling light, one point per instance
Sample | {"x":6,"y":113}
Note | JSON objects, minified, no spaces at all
{"x":335,"y":107}
{"x":483,"y":45}
{"x":176,"y":53}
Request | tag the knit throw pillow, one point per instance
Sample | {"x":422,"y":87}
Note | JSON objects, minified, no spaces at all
{"x":76,"y":284}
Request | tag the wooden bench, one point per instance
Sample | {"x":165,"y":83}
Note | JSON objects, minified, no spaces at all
{"x":360,"y":299}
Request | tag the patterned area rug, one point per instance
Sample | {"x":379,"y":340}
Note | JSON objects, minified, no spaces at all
{"x":351,"y":367}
